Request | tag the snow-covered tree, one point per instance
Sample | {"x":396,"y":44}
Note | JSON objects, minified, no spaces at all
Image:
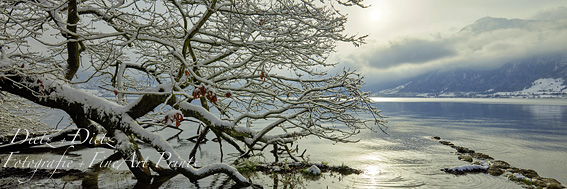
{"x":177,"y":60}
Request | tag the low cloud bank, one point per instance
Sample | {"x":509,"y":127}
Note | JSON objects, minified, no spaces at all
{"x":485,"y":44}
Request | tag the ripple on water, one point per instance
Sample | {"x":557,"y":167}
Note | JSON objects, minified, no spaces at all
{"x":373,"y":178}
{"x":473,"y":181}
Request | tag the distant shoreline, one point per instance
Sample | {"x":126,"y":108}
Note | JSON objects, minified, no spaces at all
{"x":471,"y":95}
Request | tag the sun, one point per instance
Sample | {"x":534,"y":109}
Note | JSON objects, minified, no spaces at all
{"x":375,"y":14}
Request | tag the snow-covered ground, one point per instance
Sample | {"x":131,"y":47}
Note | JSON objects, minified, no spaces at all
{"x":394,"y":90}
{"x":546,"y":85}
{"x":540,"y":88}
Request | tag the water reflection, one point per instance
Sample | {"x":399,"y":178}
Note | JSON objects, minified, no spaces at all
{"x":528,"y":134}
{"x":373,"y":175}
{"x":547,"y":112}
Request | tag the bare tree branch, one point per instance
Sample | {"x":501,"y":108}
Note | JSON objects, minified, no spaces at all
{"x":223,"y":64}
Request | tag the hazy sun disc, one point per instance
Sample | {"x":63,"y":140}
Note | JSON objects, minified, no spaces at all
{"x":374,"y":15}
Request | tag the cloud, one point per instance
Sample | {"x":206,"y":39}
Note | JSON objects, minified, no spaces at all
{"x":551,"y":14}
{"x":407,"y":51}
{"x":485,"y":44}
{"x":491,"y":42}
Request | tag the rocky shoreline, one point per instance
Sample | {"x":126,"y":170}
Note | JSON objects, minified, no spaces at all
{"x":483,"y":163}
{"x":293,"y":167}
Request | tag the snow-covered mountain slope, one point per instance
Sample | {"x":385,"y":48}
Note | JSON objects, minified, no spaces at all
{"x":394,"y":90}
{"x":535,"y":76}
{"x":547,"y":85}
{"x":541,"y":88}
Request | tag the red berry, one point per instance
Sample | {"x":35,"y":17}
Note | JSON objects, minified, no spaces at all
{"x":203,"y":90}
{"x":214,"y":99}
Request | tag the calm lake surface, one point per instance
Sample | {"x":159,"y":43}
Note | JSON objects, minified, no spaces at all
{"x":527,"y":133}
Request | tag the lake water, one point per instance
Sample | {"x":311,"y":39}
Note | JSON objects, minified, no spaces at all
{"x":527,"y":133}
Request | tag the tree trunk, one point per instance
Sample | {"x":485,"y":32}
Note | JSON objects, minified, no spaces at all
{"x":73,"y":59}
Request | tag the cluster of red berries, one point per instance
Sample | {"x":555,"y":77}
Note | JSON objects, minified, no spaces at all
{"x":177,"y":118}
{"x":211,"y":96}
{"x":41,"y":87}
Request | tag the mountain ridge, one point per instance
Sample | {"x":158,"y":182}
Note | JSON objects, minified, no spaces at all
{"x":511,"y":77}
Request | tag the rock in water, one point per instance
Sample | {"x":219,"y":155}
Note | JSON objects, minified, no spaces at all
{"x":494,"y":171}
{"x":526,"y":172}
{"x":478,"y":155}
{"x":500,"y":164}
{"x":466,"y":158}
{"x":313,"y":170}
{"x":461,"y":149}
{"x":460,"y":170}
{"x":446,"y":143}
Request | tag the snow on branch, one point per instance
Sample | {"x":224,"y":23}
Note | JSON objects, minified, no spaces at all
{"x":173,"y":159}
{"x":227,"y":65}
{"x":112,"y":116}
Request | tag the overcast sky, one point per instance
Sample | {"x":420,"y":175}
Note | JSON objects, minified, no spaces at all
{"x":412,"y":37}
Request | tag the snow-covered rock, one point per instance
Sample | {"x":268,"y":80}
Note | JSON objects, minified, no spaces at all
{"x":276,"y":168}
{"x":468,"y":169}
{"x":313,"y":170}
{"x":520,"y":176}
